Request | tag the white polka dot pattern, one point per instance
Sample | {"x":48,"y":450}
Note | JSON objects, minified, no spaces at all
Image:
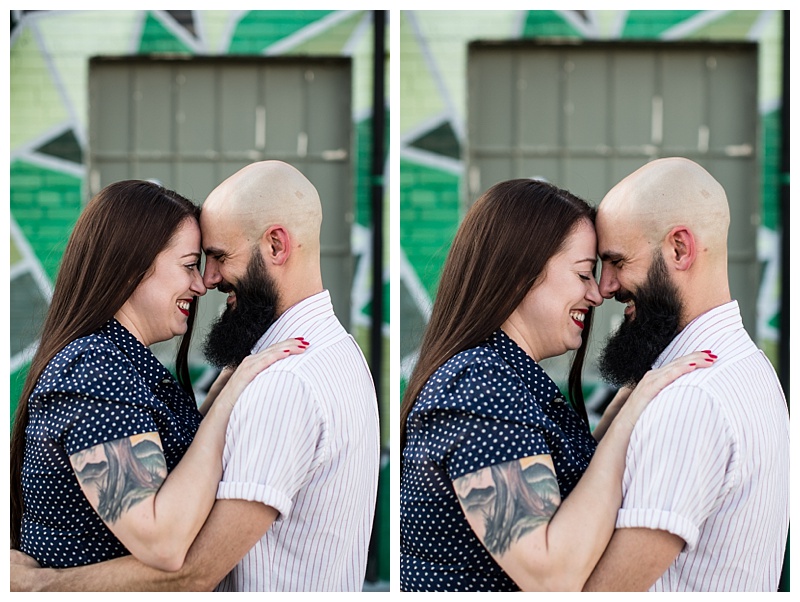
{"x":485,"y":406}
{"x":99,"y":388}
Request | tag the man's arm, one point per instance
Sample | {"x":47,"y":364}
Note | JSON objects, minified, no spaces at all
{"x":212,"y":556}
{"x":634,"y":560}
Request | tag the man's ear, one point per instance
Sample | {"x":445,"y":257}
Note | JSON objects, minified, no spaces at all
{"x":275,"y":245}
{"x":682,"y":247}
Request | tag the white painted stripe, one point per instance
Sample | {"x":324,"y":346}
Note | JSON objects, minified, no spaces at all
{"x":689,"y":26}
{"x":309,"y":31}
{"x":435,"y":72}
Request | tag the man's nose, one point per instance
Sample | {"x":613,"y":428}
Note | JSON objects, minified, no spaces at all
{"x":211,"y":275}
{"x":608,"y":283}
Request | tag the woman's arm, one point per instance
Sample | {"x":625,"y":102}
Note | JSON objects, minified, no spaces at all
{"x":611,"y":412}
{"x":155,"y":515}
{"x":214,"y":390}
{"x":540,"y":541}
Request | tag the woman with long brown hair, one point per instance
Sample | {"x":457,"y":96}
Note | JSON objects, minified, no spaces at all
{"x":108,"y":452}
{"x":503,"y":486}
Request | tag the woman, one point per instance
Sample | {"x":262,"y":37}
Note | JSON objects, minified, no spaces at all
{"x":108,"y":452}
{"x":503,"y":486}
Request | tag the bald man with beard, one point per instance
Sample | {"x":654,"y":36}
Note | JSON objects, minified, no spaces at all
{"x":296,"y":502}
{"x":706,"y":484}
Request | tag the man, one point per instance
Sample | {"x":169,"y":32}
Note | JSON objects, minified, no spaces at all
{"x":706,"y":484}
{"x":295,"y":506}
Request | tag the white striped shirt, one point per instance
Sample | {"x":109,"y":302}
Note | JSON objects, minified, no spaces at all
{"x":304,"y":439}
{"x":708,"y":461}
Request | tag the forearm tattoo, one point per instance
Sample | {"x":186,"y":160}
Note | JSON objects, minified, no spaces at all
{"x":122,"y":474}
{"x":509,"y":500}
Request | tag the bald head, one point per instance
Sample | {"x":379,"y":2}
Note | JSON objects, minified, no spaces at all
{"x":266,"y":194}
{"x":673,"y":211}
{"x":667,"y":193}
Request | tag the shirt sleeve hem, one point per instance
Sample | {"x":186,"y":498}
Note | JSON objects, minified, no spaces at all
{"x":255,"y":492}
{"x":659,"y":519}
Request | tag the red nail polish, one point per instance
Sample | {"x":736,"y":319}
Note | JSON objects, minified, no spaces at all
{"x":692,"y":364}
{"x":708,"y":360}
{"x":286,"y":351}
{"x":706,"y":351}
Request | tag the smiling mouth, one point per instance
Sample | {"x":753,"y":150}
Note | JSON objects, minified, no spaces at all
{"x":183,"y":306}
{"x":629,"y":301}
{"x":578,"y":316}
{"x":228,"y":289}
{"x":630,"y":308}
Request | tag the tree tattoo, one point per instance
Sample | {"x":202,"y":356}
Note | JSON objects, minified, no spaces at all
{"x":120,"y":473}
{"x":509,"y":500}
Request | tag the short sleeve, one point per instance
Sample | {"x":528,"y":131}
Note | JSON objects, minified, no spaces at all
{"x":486,"y":416}
{"x":680,"y":462}
{"x":95,"y":401}
{"x":275,"y":439}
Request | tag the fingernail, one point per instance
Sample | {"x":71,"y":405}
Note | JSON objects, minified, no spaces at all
{"x":709,"y":360}
{"x":692,"y":364}
{"x":286,"y":351}
{"x":706,"y":351}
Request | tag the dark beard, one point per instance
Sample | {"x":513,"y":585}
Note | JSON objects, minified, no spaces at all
{"x":233,"y":335}
{"x":631,"y":351}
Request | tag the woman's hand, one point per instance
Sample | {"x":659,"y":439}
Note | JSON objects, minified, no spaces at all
{"x":655,"y":380}
{"x":254,"y":364}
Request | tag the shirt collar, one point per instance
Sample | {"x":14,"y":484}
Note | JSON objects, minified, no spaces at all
{"x":703,"y":332}
{"x":301,"y":319}
{"x":152,"y":371}
{"x":532,"y":374}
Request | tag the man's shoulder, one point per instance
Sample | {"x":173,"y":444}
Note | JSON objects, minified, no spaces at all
{"x":281,"y":380}
{"x":685,"y":401}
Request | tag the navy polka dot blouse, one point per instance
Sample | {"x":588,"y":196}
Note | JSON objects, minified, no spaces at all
{"x":99,"y":388}
{"x":485,"y":406}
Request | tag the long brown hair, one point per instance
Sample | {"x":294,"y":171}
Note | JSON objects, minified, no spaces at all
{"x":499,"y":251}
{"x":112,"y":247}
